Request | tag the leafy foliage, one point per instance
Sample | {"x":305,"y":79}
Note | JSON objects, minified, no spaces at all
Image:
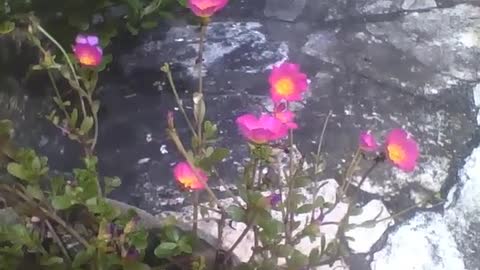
{"x":65,"y":18}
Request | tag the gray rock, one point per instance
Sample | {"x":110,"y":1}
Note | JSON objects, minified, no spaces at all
{"x":286,"y":10}
{"x":325,"y":46}
{"x":360,"y":103}
{"x":438,"y":39}
{"x":228,"y":42}
{"x":418,"y":4}
{"x":371,"y":7}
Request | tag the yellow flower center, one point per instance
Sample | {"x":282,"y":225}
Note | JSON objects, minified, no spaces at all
{"x":87,"y":59}
{"x":284,"y":86}
{"x":396,"y":152}
{"x":188,"y":181}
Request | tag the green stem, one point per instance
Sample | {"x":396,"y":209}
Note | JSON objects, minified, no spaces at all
{"x":290,"y":182}
{"x":178,"y":143}
{"x":177,"y":98}
{"x":57,"y":93}
{"x":59,"y":242}
{"x":50,"y":215}
{"x":201,"y":47}
{"x":95,"y":122}
{"x":350,"y":170}
{"x":324,"y":129}
{"x":70,"y":65}
{"x":195,"y":213}
{"x":241,"y":237}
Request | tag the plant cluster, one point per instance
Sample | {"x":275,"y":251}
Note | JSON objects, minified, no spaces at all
{"x":65,"y":221}
{"x":64,"y":18}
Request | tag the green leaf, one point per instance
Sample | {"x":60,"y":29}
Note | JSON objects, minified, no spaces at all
{"x":182,"y":2}
{"x":111,"y":183}
{"x":61,"y":202}
{"x":314,"y":257}
{"x":236,"y":213}
{"x":215,"y":157}
{"x":306,"y":208}
{"x":296,"y":199}
{"x":302,"y":181}
{"x":152,"y":7}
{"x":18,"y":171}
{"x":319,"y":202}
{"x":57,"y":183}
{"x":149,"y":24}
{"x":185,"y":244}
{"x":35,"y":192}
{"x":6,"y":128}
{"x":73,"y":118}
{"x":49,"y":261}
{"x":298,"y":260}
{"x":95,"y":106}
{"x":139,"y":239}
{"x":199,"y":107}
{"x":355,"y":211}
{"x":283,"y":251}
{"x":165,"y":249}
{"x":312,"y":231}
{"x":135,"y":5}
{"x":210,"y":130}
{"x":133,"y":30}
{"x":368,"y":224}
{"x":271,"y":227}
{"x":83,"y":257}
{"x":171,"y":233}
{"x":6,"y":27}
{"x":86,"y":125}
{"x":107,"y":59}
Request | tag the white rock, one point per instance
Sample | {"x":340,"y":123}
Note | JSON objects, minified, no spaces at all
{"x":430,"y":176}
{"x":208,"y":230}
{"x":364,"y":237}
{"x":476,"y":95}
{"x":418,"y":4}
{"x":431,"y":241}
{"x":424,"y":243}
{"x":463,"y":214}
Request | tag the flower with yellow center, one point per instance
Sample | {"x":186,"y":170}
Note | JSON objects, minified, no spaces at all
{"x":402,"y":149}
{"x":287,"y":83}
{"x":396,"y":153}
{"x":284,"y":86}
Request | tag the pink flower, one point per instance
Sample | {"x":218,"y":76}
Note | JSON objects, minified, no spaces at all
{"x":192,"y":178}
{"x":287,"y":117}
{"x":287,"y":82}
{"x":206,"y":8}
{"x":87,"y":50}
{"x":261,"y":130}
{"x":367,"y":141}
{"x":402,"y":150}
